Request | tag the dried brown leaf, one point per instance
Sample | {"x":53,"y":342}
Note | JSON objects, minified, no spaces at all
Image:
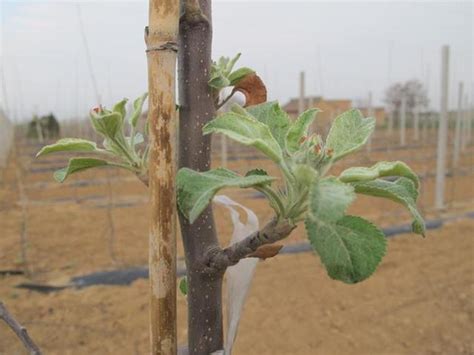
{"x":253,"y":89}
{"x":266,"y":251}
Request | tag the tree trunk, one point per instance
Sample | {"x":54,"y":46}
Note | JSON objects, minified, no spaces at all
{"x":205,"y":331}
{"x":161,"y":40}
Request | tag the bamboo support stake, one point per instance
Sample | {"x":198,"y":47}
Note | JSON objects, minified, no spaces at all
{"x":161,"y":41}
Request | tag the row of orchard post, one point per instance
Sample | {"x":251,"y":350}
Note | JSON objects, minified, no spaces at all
{"x":6,"y":138}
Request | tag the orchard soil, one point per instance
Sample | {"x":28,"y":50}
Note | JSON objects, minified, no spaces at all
{"x":420,"y":301}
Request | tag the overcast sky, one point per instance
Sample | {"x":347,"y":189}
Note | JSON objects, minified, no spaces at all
{"x":346,"y":48}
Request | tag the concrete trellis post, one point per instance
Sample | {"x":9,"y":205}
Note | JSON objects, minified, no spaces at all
{"x":416,"y":122}
{"x":370,"y":113}
{"x":302,"y":97}
{"x":223,"y":150}
{"x":390,"y":122}
{"x":457,"y":129}
{"x":424,"y":126}
{"x":403,"y":119}
{"x":442,"y":131}
{"x":466,"y":122}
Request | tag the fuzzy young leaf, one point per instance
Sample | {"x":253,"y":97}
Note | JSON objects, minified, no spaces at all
{"x":239,"y":74}
{"x":246,"y":130}
{"x":349,"y":132}
{"x":120,"y":108}
{"x":329,"y":199}
{"x":137,"y":140}
{"x":229,"y":65}
{"x":137,"y":109}
{"x":305,"y":175}
{"x":381,"y":169}
{"x":272,"y":115}
{"x":77,"y":164}
{"x":350,"y":248}
{"x":108,"y":124}
{"x":299,"y":129}
{"x":218,"y":81}
{"x":69,"y":145}
{"x":402,"y":191}
{"x":196,"y":190}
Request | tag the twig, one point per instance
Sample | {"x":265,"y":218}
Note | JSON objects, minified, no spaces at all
{"x":223,"y":102}
{"x":19,"y":330}
{"x":220,"y":259}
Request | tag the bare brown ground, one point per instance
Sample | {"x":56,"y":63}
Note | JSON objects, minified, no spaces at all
{"x":419,"y":302}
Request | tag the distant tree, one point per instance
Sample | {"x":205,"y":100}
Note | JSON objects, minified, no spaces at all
{"x":45,"y":127}
{"x":413,"y":90}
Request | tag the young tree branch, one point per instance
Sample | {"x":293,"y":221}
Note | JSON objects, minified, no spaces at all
{"x":19,"y":330}
{"x":221,"y":259}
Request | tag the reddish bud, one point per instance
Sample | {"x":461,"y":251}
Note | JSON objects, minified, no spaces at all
{"x":317,"y":149}
{"x":303,"y":139}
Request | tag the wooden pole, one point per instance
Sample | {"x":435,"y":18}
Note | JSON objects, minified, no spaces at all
{"x":161,"y":41}
{"x":403,"y":119}
{"x":442,"y":130}
{"x":302,"y":98}
{"x":457,"y":129}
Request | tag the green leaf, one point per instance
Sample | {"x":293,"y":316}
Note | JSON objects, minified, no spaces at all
{"x":329,"y":199}
{"x":350,"y":249}
{"x":246,"y":130}
{"x":299,"y":129}
{"x":349,"y":132}
{"x":119,"y":107}
{"x":260,"y":172}
{"x":381,"y":169}
{"x":402,"y":191}
{"x":69,"y":145}
{"x":183,"y":286}
{"x":229,"y":65}
{"x":219,"y":82}
{"x":272,"y":115}
{"x":218,"y":79}
{"x":137,"y":140}
{"x":137,"y":109}
{"x":239,"y":74}
{"x":77,"y":164}
{"x":107,"y":124}
{"x":196,"y":190}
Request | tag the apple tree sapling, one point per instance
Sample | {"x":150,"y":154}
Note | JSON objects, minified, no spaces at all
{"x":305,"y":191}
